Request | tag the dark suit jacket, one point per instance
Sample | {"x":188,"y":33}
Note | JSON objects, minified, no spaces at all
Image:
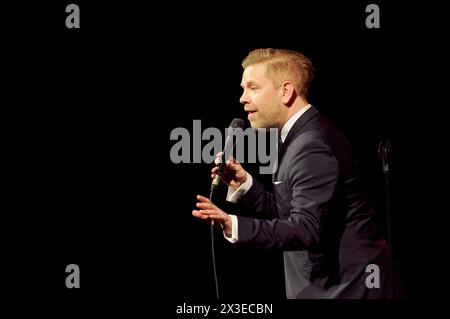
{"x":318,"y":215}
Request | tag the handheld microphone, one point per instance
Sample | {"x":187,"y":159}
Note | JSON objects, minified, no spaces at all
{"x":229,"y":145}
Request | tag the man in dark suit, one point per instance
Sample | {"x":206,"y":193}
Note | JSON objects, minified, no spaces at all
{"x":317,"y":212}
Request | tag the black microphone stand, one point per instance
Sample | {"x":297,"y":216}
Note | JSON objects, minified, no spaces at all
{"x":384,"y":149}
{"x":383,"y":155}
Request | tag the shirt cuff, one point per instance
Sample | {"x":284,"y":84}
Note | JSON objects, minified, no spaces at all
{"x":234,"y":230}
{"x":234,"y":195}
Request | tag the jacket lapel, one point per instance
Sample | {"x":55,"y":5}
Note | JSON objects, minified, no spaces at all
{"x":302,"y":120}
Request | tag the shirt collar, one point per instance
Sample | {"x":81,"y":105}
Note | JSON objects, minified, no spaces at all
{"x":288,"y":125}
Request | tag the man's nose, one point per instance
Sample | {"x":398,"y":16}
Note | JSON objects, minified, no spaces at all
{"x":243,"y":99}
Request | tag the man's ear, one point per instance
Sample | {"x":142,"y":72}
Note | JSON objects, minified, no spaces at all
{"x":288,"y":92}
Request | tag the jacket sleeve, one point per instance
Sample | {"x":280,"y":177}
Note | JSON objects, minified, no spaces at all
{"x":258,"y":203}
{"x":313,"y":177}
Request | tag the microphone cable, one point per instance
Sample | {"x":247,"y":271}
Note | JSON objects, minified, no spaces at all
{"x":213,"y":250}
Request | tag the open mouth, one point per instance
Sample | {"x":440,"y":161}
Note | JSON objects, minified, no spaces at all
{"x":251,"y":114}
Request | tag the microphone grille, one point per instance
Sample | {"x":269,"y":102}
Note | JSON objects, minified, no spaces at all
{"x":237,"y":123}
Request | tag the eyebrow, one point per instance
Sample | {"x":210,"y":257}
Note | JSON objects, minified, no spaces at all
{"x":249,"y":83}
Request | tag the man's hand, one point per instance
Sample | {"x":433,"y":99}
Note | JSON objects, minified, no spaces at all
{"x":207,"y":210}
{"x":233,"y":174}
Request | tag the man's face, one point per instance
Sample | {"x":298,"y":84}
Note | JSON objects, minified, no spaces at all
{"x":261,"y":100}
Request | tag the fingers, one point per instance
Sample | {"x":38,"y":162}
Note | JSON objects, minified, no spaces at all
{"x":204,"y":213}
{"x":199,"y":214}
{"x":207,"y":214}
{"x":208,"y":208}
{"x":234,"y":161}
{"x":231,"y":159}
{"x":233,"y":166}
{"x":218,"y":159}
{"x":214,"y":172}
{"x":203,"y":199}
{"x":205,"y":205}
{"x":208,"y":211}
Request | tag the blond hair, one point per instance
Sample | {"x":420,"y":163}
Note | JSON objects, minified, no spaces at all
{"x":284,"y":65}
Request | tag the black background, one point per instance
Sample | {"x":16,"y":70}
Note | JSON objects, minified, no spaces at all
{"x":87,"y":119}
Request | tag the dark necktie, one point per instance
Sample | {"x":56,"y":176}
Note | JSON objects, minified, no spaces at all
{"x":280,"y":149}
{"x":280,"y":144}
